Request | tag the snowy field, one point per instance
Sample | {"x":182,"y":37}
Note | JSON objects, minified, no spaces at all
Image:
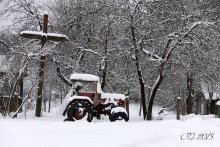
{"x":51,"y":131}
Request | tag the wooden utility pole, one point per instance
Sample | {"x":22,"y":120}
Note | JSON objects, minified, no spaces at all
{"x":44,"y":37}
{"x":178,"y":108}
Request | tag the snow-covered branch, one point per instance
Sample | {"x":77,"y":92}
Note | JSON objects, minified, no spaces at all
{"x":152,"y":56}
{"x":3,"y":42}
{"x":92,"y":51}
{"x":63,"y":77}
{"x":205,"y":23}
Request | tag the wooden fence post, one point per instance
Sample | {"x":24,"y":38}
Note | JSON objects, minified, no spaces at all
{"x":178,"y":108}
{"x":14,"y":104}
{"x":127,"y":105}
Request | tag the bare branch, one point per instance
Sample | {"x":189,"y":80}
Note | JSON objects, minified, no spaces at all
{"x":25,"y":99}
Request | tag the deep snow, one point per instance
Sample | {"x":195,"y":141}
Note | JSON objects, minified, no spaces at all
{"x":51,"y":131}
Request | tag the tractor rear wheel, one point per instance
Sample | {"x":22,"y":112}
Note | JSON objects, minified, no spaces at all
{"x":78,"y":110}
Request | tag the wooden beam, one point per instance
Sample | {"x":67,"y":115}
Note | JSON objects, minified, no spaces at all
{"x":49,"y":36}
{"x":45,"y":25}
{"x":31,"y":35}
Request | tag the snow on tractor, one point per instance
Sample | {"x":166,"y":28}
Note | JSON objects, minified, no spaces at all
{"x":88,"y":101}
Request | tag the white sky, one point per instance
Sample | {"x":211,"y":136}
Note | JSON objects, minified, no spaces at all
{"x":4,"y":22}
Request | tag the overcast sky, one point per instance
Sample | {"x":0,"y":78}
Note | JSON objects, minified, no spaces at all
{"x":5,"y":22}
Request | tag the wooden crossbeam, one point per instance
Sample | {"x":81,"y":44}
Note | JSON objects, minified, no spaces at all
{"x":49,"y":36}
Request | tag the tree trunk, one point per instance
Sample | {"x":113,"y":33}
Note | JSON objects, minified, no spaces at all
{"x":61,"y":94}
{"x":45,"y":104}
{"x":142,"y":94}
{"x":104,"y":72}
{"x":153,"y":93}
{"x":21,"y":82}
{"x":154,"y":89}
{"x":190,"y":93}
{"x":139,"y":72}
{"x":105,"y":68}
{"x":212,"y":108}
{"x":49,"y":100}
{"x":49,"y":104}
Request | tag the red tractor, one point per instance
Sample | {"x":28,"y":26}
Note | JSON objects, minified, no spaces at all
{"x":88,"y":100}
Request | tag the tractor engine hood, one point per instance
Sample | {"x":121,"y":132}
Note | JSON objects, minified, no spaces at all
{"x":114,"y":96}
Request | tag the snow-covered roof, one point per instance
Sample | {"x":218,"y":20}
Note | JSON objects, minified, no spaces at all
{"x":84,"y":77}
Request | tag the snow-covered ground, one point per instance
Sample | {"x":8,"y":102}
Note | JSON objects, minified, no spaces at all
{"x":51,"y":131}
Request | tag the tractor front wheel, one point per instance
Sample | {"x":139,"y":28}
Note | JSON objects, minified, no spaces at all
{"x":118,"y":113}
